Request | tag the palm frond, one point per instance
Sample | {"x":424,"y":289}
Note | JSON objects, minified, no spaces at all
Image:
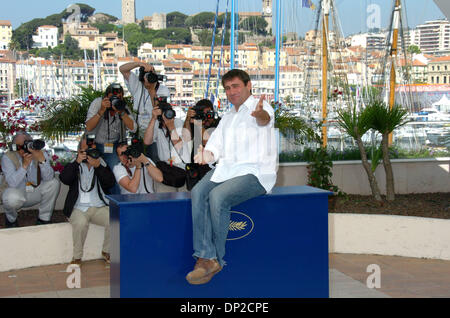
{"x":65,"y":116}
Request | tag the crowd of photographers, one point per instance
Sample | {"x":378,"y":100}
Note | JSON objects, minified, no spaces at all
{"x":112,"y":157}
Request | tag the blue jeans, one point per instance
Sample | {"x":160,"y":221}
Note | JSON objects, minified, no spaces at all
{"x":211,"y":204}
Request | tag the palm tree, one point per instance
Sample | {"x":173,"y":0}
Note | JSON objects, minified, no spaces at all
{"x":288,"y":124}
{"x":385,"y":121}
{"x":68,"y":115}
{"x":356,"y":124}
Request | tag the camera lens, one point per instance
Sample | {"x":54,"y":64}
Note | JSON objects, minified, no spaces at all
{"x":93,"y":153}
{"x":117,"y":103}
{"x":37,"y":144}
{"x":151,"y":77}
{"x":169,"y":113}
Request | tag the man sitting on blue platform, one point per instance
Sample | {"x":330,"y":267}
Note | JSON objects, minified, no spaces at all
{"x":244,"y":147}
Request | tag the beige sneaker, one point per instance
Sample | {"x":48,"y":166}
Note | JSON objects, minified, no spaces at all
{"x":203,"y":271}
{"x":76,"y":262}
{"x":106,"y":257}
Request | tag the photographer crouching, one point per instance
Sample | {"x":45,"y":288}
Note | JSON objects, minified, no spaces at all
{"x":89,"y":178}
{"x":109,"y":119}
{"x":135,"y":173}
{"x":30,"y":178}
{"x":200,"y":121}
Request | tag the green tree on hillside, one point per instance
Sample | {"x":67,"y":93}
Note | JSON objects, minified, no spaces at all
{"x":22,"y":36}
{"x":257,"y":25}
{"x":175,"y":20}
{"x":202,"y":20}
{"x":175,"y":35}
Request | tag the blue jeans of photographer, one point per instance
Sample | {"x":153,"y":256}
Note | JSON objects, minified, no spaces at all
{"x":111,"y":160}
{"x":211,"y":204}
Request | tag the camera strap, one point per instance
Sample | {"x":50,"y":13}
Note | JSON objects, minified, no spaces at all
{"x":145,"y":183}
{"x":38,"y":177}
{"x":170,"y":151}
{"x":79,"y":180}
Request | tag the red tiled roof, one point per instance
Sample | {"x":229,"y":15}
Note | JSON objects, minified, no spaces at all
{"x":441,"y":59}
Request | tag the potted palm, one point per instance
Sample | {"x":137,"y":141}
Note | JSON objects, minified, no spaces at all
{"x":356,"y":124}
{"x":68,"y":115}
{"x":385,"y":120}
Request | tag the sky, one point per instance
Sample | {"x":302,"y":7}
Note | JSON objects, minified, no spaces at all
{"x":353,"y":14}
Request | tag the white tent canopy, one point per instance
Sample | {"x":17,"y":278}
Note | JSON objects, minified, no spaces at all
{"x":442,"y":105}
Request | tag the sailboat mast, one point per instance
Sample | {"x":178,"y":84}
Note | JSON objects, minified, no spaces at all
{"x":394,"y":47}
{"x":277,"y":50}
{"x":232,"y":33}
{"x":325,"y":24}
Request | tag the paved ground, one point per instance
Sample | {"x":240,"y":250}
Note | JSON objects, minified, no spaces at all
{"x":400,"y":277}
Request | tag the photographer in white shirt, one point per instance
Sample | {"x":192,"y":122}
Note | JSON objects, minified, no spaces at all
{"x":174,"y":147}
{"x":135,"y":175}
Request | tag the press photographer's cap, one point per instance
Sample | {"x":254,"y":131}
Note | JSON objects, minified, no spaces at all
{"x":163,"y":91}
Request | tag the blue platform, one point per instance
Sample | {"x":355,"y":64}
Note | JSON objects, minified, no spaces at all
{"x":277,"y":247}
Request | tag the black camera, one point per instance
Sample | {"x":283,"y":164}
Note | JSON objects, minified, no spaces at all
{"x":150,"y":76}
{"x":201,"y":115}
{"x":135,"y":148}
{"x":91,"y":151}
{"x":192,"y":169}
{"x":166,"y":108}
{"x":37,"y":144}
{"x":118,"y":103}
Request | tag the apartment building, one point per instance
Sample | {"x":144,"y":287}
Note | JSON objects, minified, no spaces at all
{"x":439,"y":70}
{"x":434,"y":36}
{"x":179,"y":78}
{"x":7,"y":78}
{"x":5,"y":34}
{"x":369,"y":41}
{"x":47,"y":36}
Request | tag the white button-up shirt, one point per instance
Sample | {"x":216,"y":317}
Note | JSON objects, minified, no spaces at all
{"x":240,"y":146}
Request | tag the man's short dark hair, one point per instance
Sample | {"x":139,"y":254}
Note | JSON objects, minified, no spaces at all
{"x":243,"y":76}
{"x":112,"y":87}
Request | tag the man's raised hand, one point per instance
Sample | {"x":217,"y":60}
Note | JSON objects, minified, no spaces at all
{"x":262,"y":117}
{"x":203,"y":156}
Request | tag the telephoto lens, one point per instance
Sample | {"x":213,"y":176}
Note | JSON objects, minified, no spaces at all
{"x":37,"y":144}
